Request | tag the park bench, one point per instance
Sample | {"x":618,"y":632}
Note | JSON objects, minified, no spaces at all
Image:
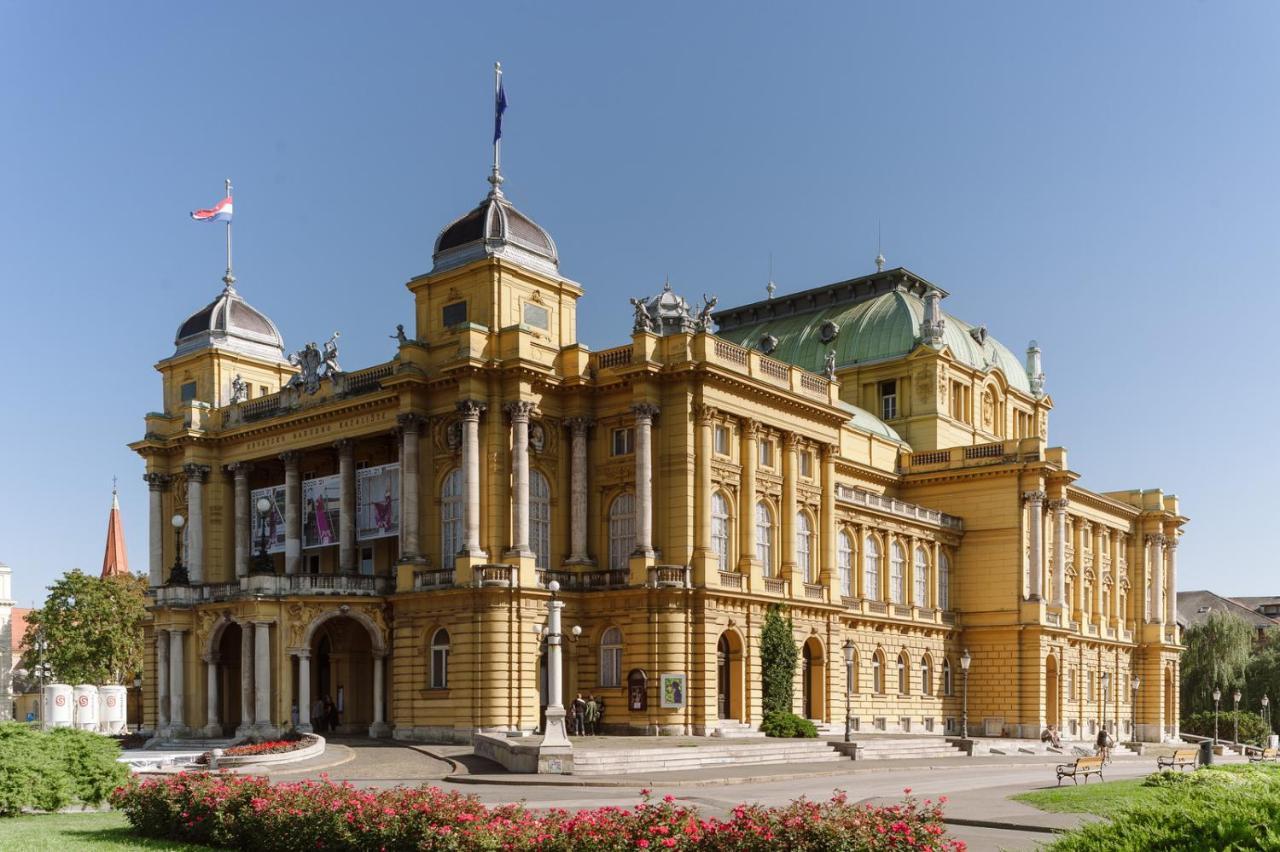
{"x":1271,"y":755}
{"x":1180,"y":759}
{"x":1085,"y":766}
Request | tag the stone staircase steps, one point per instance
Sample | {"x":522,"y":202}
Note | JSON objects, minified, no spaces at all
{"x":899,"y":748}
{"x":623,"y":761}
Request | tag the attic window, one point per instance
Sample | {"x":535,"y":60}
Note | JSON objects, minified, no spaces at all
{"x":828,"y":331}
{"x":454,"y":314}
{"x":768,"y":343}
{"x":188,"y":391}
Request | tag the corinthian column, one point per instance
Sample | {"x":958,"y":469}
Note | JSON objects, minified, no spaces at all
{"x":1035,"y":521}
{"x":177,"y":688}
{"x":246,"y":678}
{"x":346,"y":505}
{"x":212,"y":725}
{"x":644,"y":413}
{"x":292,"y":512}
{"x":196,"y":475}
{"x":240,"y":473}
{"x":1171,"y":579}
{"x":262,"y":674}
{"x":1155,"y":561}
{"x":162,"y":679}
{"x":470,"y":409}
{"x":410,"y":486}
{"x":157,"y":483}
{"x":1059,"y":508}
{"x":578,"y":427}
{"x":304,"y":689}
{"x":519,"y":412}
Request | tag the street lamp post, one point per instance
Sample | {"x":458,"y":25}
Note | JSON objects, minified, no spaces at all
{"x":848,"y":690}
{"x":1217,"y":696}
{"x":178,"y":574}
{"x":1106,"y":682}
{"x":1235,"y":698}
{"x":1266,"y":712}
{"x":554,"y":732}
{"x":42,"y":670}
{"x":965,"y":660}
{"x":262,"y":564}
{"x":1133,"y":707}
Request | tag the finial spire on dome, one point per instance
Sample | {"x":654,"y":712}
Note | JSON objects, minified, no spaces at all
{"x":499,"y":107}
{"x":879,"y":253}
{"x":229,"y":279}
{"x":770,"y":287}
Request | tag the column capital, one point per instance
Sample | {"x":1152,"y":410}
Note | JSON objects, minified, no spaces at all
{"x":749,"y":426}
{"x":1035,"y":498}
{"x":579,"y":425}
{"x":826,"y":452}
{"x":290,"y":457}
{"x":704,"y":414}
{"x":196,"y":472}
{"x":1171,"y":542}
{"x":1059,"y":505}
{"x":645,"y":412}
{"x":411,"y":422}
{"x":471,"y":409}
{"x":238,"y":469}
{"x":1157,"y":538}
{"x":157,"y":481}
{"x":178,"y":631}
{"x":302,"y":653}
{"x":344,"y":445}
{"x":518,"y":410}
{"x":790,"y":440}
{"x":211,"y":659}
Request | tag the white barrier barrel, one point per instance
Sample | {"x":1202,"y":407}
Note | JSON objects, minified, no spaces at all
{"x":111,"y":709}
{"x":86,"y":709}
{"x":55,"y":706}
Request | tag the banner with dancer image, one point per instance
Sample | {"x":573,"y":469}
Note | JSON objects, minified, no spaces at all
{"x":378,"y":501}
{"x":320,"y":499}
{"x":272,"y":525}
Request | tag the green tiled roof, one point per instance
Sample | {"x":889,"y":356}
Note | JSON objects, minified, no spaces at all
{"x":881,"y":327}
{"x":868,"y":422}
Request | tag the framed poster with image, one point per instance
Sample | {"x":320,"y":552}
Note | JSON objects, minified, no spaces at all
{"x":672,"y":689}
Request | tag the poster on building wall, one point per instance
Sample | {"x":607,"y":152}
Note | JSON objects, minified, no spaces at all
{"x":272,"y":524}
{"x":672,"y":688}
{"x":320,"y":510}
{"x":378,"y":501}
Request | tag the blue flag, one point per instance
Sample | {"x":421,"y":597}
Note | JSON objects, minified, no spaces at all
{"x":499,"y":107}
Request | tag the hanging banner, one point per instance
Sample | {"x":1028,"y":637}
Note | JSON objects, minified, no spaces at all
{"x":320,"y":499}
{"x":378,"y":501}
{"x":273,"y":523}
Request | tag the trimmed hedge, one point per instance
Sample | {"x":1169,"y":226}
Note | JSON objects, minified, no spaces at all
{"x":49,"y":770}
{"x":783,"y":724}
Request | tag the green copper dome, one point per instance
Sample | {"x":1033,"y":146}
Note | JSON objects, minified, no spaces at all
{"x":865,"y":320}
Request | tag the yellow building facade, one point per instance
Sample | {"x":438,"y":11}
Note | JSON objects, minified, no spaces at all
{"x":385,"y":536}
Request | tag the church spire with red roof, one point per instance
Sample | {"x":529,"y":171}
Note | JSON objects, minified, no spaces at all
{"x":115,"y":563}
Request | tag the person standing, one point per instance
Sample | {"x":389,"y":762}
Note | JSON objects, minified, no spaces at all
{"x":600,"y":715}
{"x":579,"y":711}
{"x":317,"y":714}
{"x":593,"y":715}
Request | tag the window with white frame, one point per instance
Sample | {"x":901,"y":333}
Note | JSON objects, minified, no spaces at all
{"x":948,"y":686}
{"x":722,"y":440}
{"x":764,"y":537}
{"x":766,"y":453}
{"x":877,"y":672}
{"x":920,"y":579}
{"x":888,"y":400}
{"x":871,"y":568}
{"x":944,"y":580}
{"x":904,"y":674}
{"x":440,"y":659}
{"x":622,"y":531}
{"x":540,"y":518}
{"x":844,"y":563}
{"x":451,"y":509}
{"x":806,"y":464}
{"x":897,"y":573}
{"x":926,"y":675}
{"x":804,"y":547}
{"x":1071,"y":684}
{"x":624,"y":441}
{"x":611,"y":658}
{"x":720,"y":529}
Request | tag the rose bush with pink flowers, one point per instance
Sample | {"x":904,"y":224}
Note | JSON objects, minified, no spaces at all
{"x":245,"y":812}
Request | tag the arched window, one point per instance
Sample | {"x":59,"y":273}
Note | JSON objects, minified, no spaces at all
{"x":904,"y":674}
{"x":926,"y":675}
{"x":804,"y":547}
{"x":877,"y":672}
{"x":622,"y":531}
{"x":611,"y":657}
{"x":764,"y":537}
{"x":540,"y":518}
{"x":440,"y":659}
{"x":920,"y":578}
{"x":897,"y":574}
{"x":944,"y":581}
{"x":451,"y":508}
{"x":844,"y":563}
{"x":871,"y":569}
{"x":720,"y":529}
{"x":948,"y":688}
{"x":852,"y":673}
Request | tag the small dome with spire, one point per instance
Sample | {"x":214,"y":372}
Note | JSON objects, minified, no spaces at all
{"x":495,"y":229}
{"x":668,"y":312}
{"x":230,"y":323}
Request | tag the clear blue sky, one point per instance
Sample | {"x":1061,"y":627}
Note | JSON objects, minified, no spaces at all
{"x":1099,"y":176}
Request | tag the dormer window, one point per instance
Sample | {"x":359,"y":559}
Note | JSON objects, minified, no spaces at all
{"x":889,"y":400}
{"x":454,"y":314}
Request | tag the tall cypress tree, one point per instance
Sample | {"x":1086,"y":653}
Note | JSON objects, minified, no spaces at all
{"x":778,"y":655}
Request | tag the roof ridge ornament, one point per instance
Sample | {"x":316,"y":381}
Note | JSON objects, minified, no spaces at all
{"x":934,"y":323}
{"x":1035,"y":370}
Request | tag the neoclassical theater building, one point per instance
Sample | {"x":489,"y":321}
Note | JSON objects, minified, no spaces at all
{"x":386,"y":536}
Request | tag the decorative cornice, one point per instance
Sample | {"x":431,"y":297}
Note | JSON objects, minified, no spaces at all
{"x":157,"y":481}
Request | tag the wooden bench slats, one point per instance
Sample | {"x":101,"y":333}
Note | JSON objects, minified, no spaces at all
{"x":1084,"y":766}
{"x":1181,"y":758}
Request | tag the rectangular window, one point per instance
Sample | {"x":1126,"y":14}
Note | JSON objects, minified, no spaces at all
{"x":537,"y":316}
{"x":806,"y":465}
{"x":722,"y":440}
{"x":440,"y":667}
{"x":624,"y":441}
{"x":263,"y":390}
{"x":889,"y":400}
{"x":366,"y":561}
{"x":313,"y":564}
{"x":188,"y":391}
{"x":766,"y":453}
{"x":454,"y":314}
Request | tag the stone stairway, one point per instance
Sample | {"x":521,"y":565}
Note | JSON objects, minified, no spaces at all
{"x":624,"y":761}
{"x":732,"y":729}
{"x":900,"y":748}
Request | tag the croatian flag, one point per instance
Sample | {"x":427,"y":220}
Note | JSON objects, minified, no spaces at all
{"x":220,"y":212}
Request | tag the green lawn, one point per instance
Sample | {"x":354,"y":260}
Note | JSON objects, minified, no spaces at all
{"x":1104,"y":799}
{"x":95,"y":831}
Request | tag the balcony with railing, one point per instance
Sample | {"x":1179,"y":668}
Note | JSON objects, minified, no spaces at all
{"x":731,"y":580}
{"x":289,"y":399}
{"x":495,"y":575}
{"x":340,"y":584}
{"x":737,"y":359}
{"x":670,"y":577}
{"x":584,"y":581}
{"x":994,"y":452}
{"x":775,"y":586}
{"x":894,"y":506}
{"x":432,"y":578}
{"x":815,"y":592}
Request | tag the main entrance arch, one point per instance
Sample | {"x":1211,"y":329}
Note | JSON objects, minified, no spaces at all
{"x":814,"y":680}
{"x":341,"y":667}
{"x":729,"y":676}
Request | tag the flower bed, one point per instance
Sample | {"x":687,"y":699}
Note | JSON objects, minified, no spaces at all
{"x":268,"y":747}
{"x":251,"y":813}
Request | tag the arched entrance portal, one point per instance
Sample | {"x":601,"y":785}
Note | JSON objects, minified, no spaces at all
{"x":341,"y":676}
{"x":1051,"y":691}
{"x":813,"y":680}
{"x":229,"y":658}
{"x":729,"y":678}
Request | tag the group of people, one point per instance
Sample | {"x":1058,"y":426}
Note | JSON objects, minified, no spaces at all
{"x":586,"y":715}
{"x":1104,"y":743}
{"x":324,"y":715}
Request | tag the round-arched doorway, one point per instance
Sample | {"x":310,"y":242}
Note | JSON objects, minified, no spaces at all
{"x":813,"y":680}
{"x":342,"y":678}
{"x":729,"y":676}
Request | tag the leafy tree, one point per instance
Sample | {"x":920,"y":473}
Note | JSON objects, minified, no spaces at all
{"x":1262,"y":677}
{"x":778,"y":655}
{"x":92,"y":628}
{"x":1216,"y":655}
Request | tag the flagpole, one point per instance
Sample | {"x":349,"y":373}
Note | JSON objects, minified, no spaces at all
{"x":496,"y":178}
{"x":229,"y":279}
